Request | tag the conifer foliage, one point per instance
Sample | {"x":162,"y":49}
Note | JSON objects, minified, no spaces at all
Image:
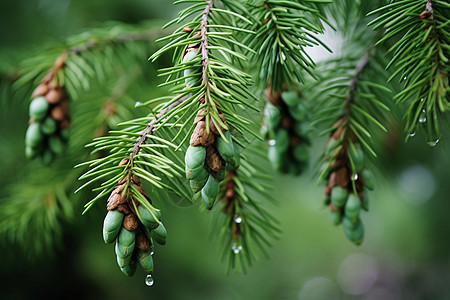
{"x":242,"y":90}
{"x":421,"y":61}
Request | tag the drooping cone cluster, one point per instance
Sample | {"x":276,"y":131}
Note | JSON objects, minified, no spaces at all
{"x":347,"y":181}
{"x":132,"y":226}
{"x":207,"y":157}
{"x":48,"y":129}
{"x":286,"y":129}
{"x":210,"y":152}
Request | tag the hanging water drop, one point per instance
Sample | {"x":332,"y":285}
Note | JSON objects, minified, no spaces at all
{"x":355,"y":177}
{"x":152,"y":251}
{"x":404,"y":78}
{"x":412,"y":134}
{"x":236,"y":249}
{"x":149,"y":280}
{"x":423,"y":116}
{"x":237,"y":219}
{"x":271,"y":142}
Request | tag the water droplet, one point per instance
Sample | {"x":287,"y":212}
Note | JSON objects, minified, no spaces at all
{"x":137,"y":103}
{"x":237,"y":219}
{"x":271,"y":142}
{"x":355,"y":177}
{"x":421,"y":100}
{"x":236,"y":249}
{"x":423,"y":116}
{"x":433,"y":143}
{"x":404,"y":78}
{"x":412,"y":134}
{"x":149,"y":280}
{"x":152,"y":251}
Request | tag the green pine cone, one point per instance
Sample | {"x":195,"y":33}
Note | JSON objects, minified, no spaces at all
{"x":111,"y":225}
{"x":129,"y":270}
{"x":145,"y":260}
{"x":46,"y":157}
{"x":282,"y":140}
{"x":49,"y":126}
{"x":336,"y":217}
{"x":190,"y":81}
{"x":38,"y":108}
{"x":225,"y":146}
{"x":300,"y":153}
{"x":299,"y":112}
{"x":34,"y":135}
{"x":338,"y":196}
{"x":123,"y":262}
{"x":199,"y":173}
{"x":221,"y":174}
{"x":357,"y":157}
{"x":125,"y":243}
{"x":365,"y":201}
{"x":350,"y":223}
{"x":198,"y":184}
{"x":65,"y":133}
{"x":275,"y":157}
{"x":302,"y":129}
{"x":352,"y":206}
{"x":210,"y":192}
{"x":355,"y":233}
{"x":56,"y":144}
{"x":290,"y":98}
{"x":195,"y":157}
{"x":272,"y":115}
{"x":368,"y":179}
{"x":31,"y":152}
{"x":149,"y":219}
{"x":159,"y":234}
{"x":189,"y":55}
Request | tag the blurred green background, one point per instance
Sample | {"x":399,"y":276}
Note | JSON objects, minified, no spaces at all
{"x":405,"y":254}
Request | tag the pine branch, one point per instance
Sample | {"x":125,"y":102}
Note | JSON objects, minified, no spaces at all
{"x":280,"y":55}
{"x":32,"y":214}
{"x":420,"y":58}
{"x":353,"y":102}
{"x":88,"y":56}
{"x":243,"y":224}
{"x":283,"y":31}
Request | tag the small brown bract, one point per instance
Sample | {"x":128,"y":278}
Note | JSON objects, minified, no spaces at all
{"x":124,"y":208}
{"x":213,"y":159}
{"x":342,"y":177}
{"x":199,"y":136}
{"x":130,"y":222}
{"x":113,"y":201}
{"x":41,"y":89}
{"x":123,"y":162}
{"x":200,"y":116}
{"x":54,"y":96}
{"x":57,"y":113}
{"x":142,"y":242}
